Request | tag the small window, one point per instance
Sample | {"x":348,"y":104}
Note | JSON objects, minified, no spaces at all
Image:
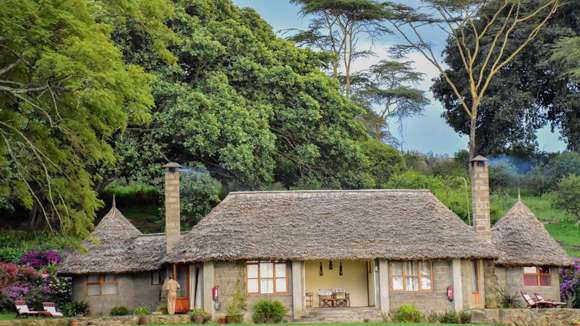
{"x":102,"y":284}
{"x":156,"y":278}
{"x":537,"y":276}
{"x":266,"y":277}
{"x":411,"y":276}
{"x":474,"y":276}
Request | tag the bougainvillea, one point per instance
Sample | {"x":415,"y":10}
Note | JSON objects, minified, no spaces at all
{"x":40,"y":259}
{"x":570,"y":286}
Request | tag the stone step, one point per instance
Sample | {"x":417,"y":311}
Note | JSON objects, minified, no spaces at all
{"x":342,"y":315}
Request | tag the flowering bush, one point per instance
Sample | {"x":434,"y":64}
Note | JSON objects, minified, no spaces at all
{"x":34,"y":281}
{"x":570,"y":286}
{"x":40,"y":259}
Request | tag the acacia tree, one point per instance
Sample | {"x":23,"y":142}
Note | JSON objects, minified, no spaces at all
{"x":387,"y":89}
{"x":337,"y":26}
{"x":490,"y":25}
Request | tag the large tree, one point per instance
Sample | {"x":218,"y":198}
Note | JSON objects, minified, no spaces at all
{"x":527,"y":94}
{"x":488,"y":35}
{"x":64,"y":90}
{"x":336,"y":27}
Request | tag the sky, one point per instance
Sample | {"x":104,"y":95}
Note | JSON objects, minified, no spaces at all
{"x":427,"y":133}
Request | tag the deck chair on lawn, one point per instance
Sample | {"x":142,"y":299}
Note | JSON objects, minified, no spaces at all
{"x":23,"y":311}
{"x":50,"y":308}
{"x":549,"y":303}
{"x":531,"y":302}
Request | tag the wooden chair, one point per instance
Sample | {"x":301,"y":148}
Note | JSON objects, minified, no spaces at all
{"x":548,"y":303}
{"x":308,"y":298}
{"x":533,"y":303}
{"x":50,"y":308}
{"x":341,"y":298}
{"x":325,"y":299}
{"x":22,"y":310}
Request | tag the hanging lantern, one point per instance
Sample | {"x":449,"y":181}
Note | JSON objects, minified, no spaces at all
{"x":340,"y":268}
{"x":330,"y":265}
{"x":320,"y":272}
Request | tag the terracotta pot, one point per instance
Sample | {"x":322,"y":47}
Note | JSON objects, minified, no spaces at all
{"x":142,"y":320}
{"x":222,"y":320}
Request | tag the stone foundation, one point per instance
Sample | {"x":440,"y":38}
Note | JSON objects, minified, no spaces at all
{"x":529,"y":317}
{"x":98,"y":321}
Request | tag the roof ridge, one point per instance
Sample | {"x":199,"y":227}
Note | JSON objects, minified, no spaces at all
{"x":322,"y":191}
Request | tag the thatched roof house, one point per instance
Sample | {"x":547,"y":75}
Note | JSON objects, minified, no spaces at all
{"x":331,"y":224}
{"x":116,"y":246}
{"x":522,"y":240}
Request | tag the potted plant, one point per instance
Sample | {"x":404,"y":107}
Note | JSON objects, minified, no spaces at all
{"x":235,"y":310}
{"x":141,"y":313}
{"x":575,"y":322}
{"x":199,"y":316}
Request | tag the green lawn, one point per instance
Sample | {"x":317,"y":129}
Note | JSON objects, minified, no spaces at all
{"x":7,"y":316}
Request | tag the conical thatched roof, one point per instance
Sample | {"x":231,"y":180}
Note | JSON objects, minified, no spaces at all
{"x":306,"y":225}
{"x":116,"y":246}
{"x":522,"y":240}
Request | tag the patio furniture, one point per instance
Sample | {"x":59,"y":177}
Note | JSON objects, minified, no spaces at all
{"x":325,"y":299}
{"x":547,"y":302}
{"x":22,"y":310}
{"x":50,"y":308}
{"x":341,"y":298}
{"x":308,"y":298}
{"x":534,"y":303}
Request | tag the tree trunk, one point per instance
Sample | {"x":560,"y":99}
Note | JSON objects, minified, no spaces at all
{"x":472,"y":127}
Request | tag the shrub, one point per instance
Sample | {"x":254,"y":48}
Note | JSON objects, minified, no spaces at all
{"x":141,"y":311}
{"x":269,"y":311}
{"x":75,"y":308}
{"x":162,"y":308}
{"x":39,"y":259}
{"x":120,"y":311}
{"x":464,"y":317}
{"x":199,"y":316}
{"x":507,"y":300}
{"x":235,"y":310}
{"x":408,"y":314}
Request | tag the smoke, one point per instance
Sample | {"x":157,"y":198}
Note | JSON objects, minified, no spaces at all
{"x":514,"y":165}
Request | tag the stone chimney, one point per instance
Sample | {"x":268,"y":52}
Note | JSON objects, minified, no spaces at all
{"x":480,"y":196}
{"x":172,"y":206}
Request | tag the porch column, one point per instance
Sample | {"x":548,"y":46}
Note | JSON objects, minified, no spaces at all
{"x":384,"y":302}
{"x":297,"y":289}
{"x":457,"y":285}
{"x":208,"y":276}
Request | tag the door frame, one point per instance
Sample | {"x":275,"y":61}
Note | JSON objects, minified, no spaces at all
{"x":182,"y":304}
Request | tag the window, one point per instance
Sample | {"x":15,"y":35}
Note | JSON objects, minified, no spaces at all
{"x":411,"y":276}
{"x":536,"y":276}
{"x":156,"y":277}
{"x":474,"y":276}
{"x":101,"y":284}
{"x":266,"y":277}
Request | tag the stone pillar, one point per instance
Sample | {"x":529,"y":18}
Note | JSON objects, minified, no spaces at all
{"x":208,"y":283}
{"x":297,"y":290}
{"x":480,"y":197}
{"x":172,"y":206}
{"x":489,"y":283}
{"x":384,"y":299}
{"x":457,"y":285}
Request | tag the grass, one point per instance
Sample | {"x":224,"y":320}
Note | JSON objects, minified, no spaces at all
{"x":7,"y":316}
{"x":332,"y":324}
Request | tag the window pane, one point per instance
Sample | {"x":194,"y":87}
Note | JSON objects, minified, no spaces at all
{"x":93,"y":278}
{"x":267,"y":286}
{"x":545,"y":279}
{"x":110,"y":278}
{"x":109,"y":288}
{"x":155,"y":277}
{"x":280,"y":270}
{"x":412,"y":283}
{"x":252,"y":286}
{"x":529,"y":270}
{"x":397,"y":269}
{"x":474,"y":277}
{"x":411,"y":268}
{"x":281,"y":285}
{"x":397,"y":282}
{"x":266,"y":270}
{"x":252,"y":271}
{"x":94,"y":289}
{"x":530,"y":280}
{"x":425,"y":276}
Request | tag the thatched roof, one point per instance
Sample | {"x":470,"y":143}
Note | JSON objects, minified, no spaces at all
{"x":522,"y":240}
{"x":116,"y":246}
{"x":306,"y":225}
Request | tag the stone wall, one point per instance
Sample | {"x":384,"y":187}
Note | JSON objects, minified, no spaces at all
{"x":428,"y":301}
{"x":528,"y":317}
{"x":511,"y":281}
{"x":134,"y":290}
{"x":229,"y":275}
{"x":101,"y":321}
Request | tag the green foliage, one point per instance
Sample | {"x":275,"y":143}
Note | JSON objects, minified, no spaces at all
{"x":66,"y":91}
{"x":236,"y":308}
{"x":120,"y":311}
{"x":199,"y":316}
{"x":13,"y":244}
{"x":454,"y":192}
{"x":141,"y":311}
{"x":450,"y":317}
{"x":75,"y":308}
{"x":269,"y":312}
{"x":567,"y":196}
{"x":546,"y":175}
{"x":200,"y":192}
{"x":407,"y":314}
{"x":162,"y":308}
{"x":567,"y":51}
{"x":508,"y":300}
{"x":384,"y":161}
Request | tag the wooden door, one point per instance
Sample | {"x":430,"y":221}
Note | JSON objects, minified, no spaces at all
{"x":181,"y":275}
